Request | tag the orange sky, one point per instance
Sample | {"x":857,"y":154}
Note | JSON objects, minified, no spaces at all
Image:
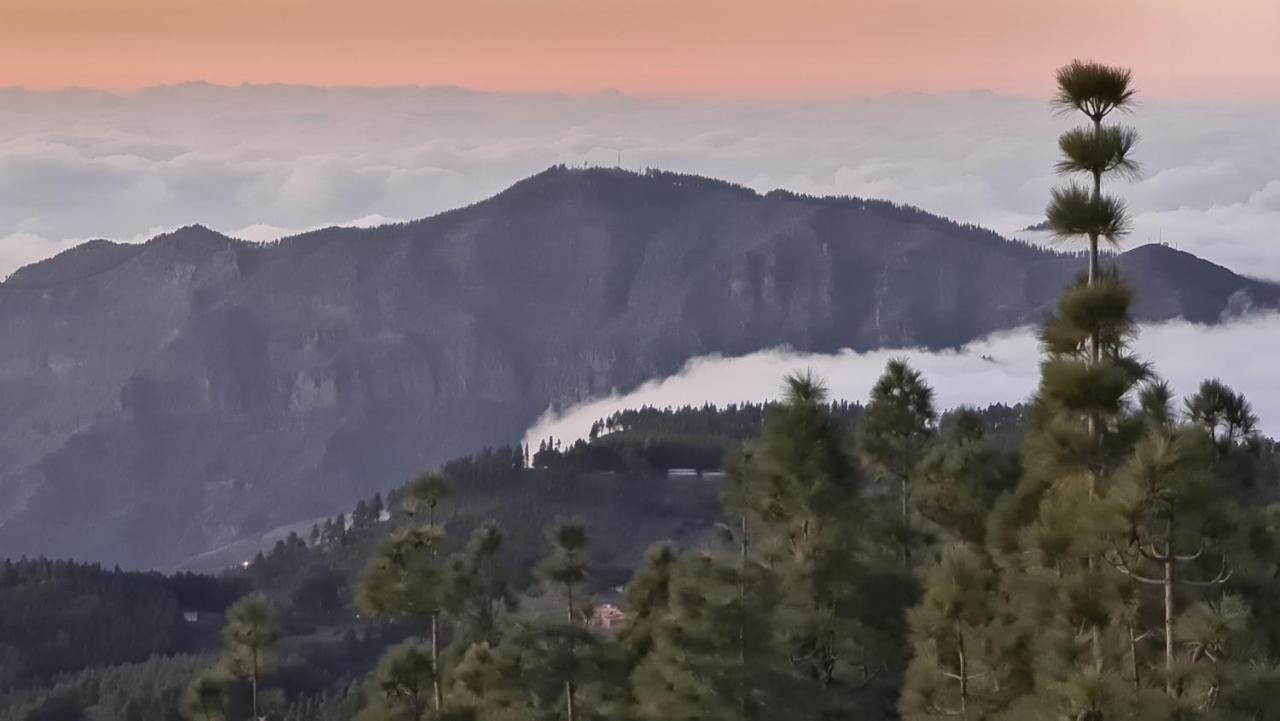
{"x":1182,"y":49}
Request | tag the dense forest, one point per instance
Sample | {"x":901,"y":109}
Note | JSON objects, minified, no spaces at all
{"x":86,"y":642}
{"x":1107,"y":551}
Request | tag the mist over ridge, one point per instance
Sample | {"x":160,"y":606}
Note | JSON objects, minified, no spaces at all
{"x":1001,"y":368}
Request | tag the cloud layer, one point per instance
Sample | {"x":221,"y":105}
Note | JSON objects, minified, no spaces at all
{"x":1001,"y":369}
{"x":263,"y":161}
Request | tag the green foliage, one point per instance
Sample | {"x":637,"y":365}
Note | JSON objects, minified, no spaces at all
{"x":405,"y":576}
{"x":478,"y":593}
{"x":960,"y":666}
{"x":899,"y":421}
{"x":805,"y":516}
{"x":58,"y":616}
{"x":250,"y":632}
{"x":526,"y":675}
{"x":567,"y":567}
{"x":710,"y":651}
{"x":401,"y":687}
{"x":1224,"y":414}
{"x":1089,"y":313}
{"x":801,"y":473}
{"x":205,"y":698}
{"x":1074,"y":211}
{"x":1097,"y":151}
{"x":648,"y":601}
{"x":960,"y":478}
{"x":1094,"y":89}
{"x":424,"y":496}
{"x":896,"y":432}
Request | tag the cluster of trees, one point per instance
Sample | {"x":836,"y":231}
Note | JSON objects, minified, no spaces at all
{"x":62,"y":616}
{"x":149,"y":689}
{"x":335,"y":531}
{"x":1121,"y":577}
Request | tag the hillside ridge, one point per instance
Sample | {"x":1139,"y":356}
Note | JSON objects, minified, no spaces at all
{"x":162,"y":399}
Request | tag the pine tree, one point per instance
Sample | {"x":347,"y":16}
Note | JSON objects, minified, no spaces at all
{"x":648,"y":601}
{"x":797,"y":491}
{"x":1166,"y":493}
{"x":525,"y":675}
{"x":567,"y":569}
{"x":478,"y":593}
{"x":250,"y":633}
{"x":538,"y":670}
{"x":958,"y":668}
{"x":1052,"y":533}
{"x":1222,"y":413}
{"x":896,"y":431}
{"x":205,"y":698}
{"x":697,"y":664}
{"x":1096,"y":91}
{"x":401,"y":688}
{"x":959,"y":479}
{"x":406,"y":578}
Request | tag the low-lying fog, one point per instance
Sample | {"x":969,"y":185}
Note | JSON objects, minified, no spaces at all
{"x":1002,"y":368}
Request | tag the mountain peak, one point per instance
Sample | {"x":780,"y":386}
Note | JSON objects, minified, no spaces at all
{"x":74,"y":264}
{"x":284,"y":381}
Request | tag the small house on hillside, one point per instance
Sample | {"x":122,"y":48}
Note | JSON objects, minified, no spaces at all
{"x":608,"y":617}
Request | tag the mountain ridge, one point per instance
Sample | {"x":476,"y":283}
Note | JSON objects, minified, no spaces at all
{"x":166,"y":398}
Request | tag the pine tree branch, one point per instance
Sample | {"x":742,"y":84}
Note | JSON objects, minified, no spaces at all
{"x":1123,"y":567}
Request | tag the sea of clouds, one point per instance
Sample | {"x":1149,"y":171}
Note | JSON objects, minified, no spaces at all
{"x":260,"y":162}
{"x":1003,"y":368}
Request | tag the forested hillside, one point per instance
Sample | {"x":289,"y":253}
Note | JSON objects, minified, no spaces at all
{"x":164,"y":399}
{"x":964,"y":487}
{"x":71,"y":629}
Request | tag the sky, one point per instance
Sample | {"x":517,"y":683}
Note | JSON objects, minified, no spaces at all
{"x":1183,"y":49}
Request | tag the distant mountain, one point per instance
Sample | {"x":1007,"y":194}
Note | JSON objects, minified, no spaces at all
{"x":161,"y":399}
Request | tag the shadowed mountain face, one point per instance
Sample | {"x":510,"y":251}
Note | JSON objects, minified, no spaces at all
{"x":161,"y":399}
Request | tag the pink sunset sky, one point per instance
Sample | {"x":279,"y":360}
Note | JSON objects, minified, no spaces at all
{"x":1181,"y":49}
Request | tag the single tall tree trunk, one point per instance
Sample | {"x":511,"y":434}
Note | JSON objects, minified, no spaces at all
{"x":1092,"y":563}
{"x":906,"y":507}
{"x":906,"y":541}
{"x":437,"y":694}
{"x":1133,"y":656}
{"x":1094,"y":351}
{"x":1169,"y":582}
{"x":568,"y":684}
{"x":742,"y":619}
{"x":1095,"y":356}
{"x":963,"y":664}
{"x":254,"y":684}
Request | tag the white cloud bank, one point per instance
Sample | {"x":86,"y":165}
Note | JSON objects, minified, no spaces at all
{"x":1241,"y":352}
{"x":263,"y":161}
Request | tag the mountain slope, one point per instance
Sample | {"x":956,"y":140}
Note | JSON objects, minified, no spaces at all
{"x":163,"y":399}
